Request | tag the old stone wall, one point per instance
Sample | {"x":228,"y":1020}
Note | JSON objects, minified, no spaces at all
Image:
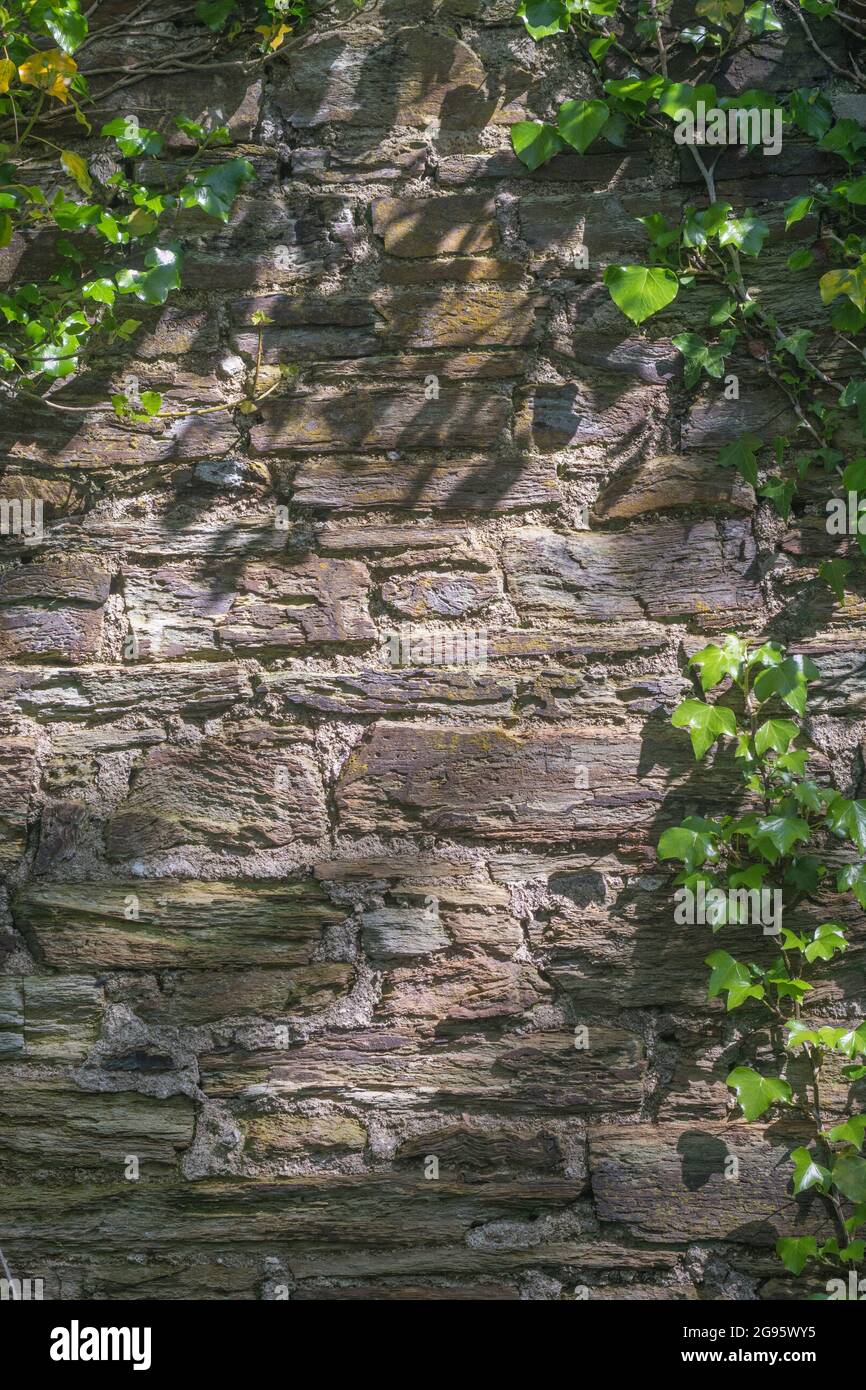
{"x":368,"y":970}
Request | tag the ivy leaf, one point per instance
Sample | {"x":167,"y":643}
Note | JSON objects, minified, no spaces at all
{"x":747,"y":233}
{"x":848,"y":282}
{"x":640,"y":291}
{"x":761,"y":19}
{"x":7,"y":72}
{"x":151,"y":402}
{"x":853,"y":879}
{"x":634,"y":93}
{"x":853,"y":1042}
{"x":811,"y":111}
{"x":691,"y":847}
{"x":807,"y":794}
{"x":544,"y":17}
{"x":534,"y":143}
{"x":102,"y":290}
{"x":854,"y":395}
{"x":154,"y":284}
{"x":741,"y":455}
{"x":827,"y":940}
{"x":77,"y":167}
{"x":704,"y":722}
{"x":732,"y":977}
{"x":777,"y":734}
{"x":796,"y":1251}
{"x":849,"y":1175}
{"x":598,"y":47}
{"x":214,"y":13}
{"x":781,"y":493}
{"x":851,"y":1132}
{"x":701,"y":356}
{"x":848,"y":818}
{"x":578,"y":122}
{"x":682,"y":96}
{"x":65,"y":24}
{"x":719,"y":12}
{"x":714,"y":662}
{"x":756,"y":1093}
{"x":51,"y":71}
{"x":799,"y":1034}
{"x":132,"y":138}
{"x":789,"y":681}
{"x":808,"y":1173}
{"x":215,"y":190}
{"x":795,"y":761}
{"x":834,"y":573}
{"x":776,"y":835}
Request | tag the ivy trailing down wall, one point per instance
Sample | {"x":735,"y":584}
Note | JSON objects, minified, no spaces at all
{"x":331,"y":969}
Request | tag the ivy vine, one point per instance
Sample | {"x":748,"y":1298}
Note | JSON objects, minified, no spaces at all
{"x":119,"y":241}
{"x":780,"y":845}
{"x":651,"y":73}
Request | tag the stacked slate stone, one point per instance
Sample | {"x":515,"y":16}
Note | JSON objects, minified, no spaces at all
{"x":333,"y":975}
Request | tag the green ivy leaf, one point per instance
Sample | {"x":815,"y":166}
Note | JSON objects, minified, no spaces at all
{"x":776,"y":835}
{"x":741,"y":455}
{"x":789,"y":681}
{"x":811,"y":111}
{"x":846,"y":817}
{"x":848,"y":282}
{"x":214,"y":13}
{"x":715,"y":663}
{"x":534,"y":143}
{"x":704,"y":722}
{"x":834,"y":573}
{"x":808,"y":1173}
{"x":578,"y":122}
{"x":796,"y":1251}
{"x":102,"y":290}
{"x":853,"y":1041}
{"x":66,"y":25}
{"x":731,"y":977}
{"x":690,"y":847}
{"x":544,"y":17}
{"x":720,"y":12}
{"x":849,"y":1176}
{"x":747,"y":233}
{"x":826,"y":941}
{"x":640,"y":291}
{"x":780,"y":492}
{"x":676,"y":97}
{"x":853,"y":879}
{"x":634,"y":93}
{"x":132,"y":138}
{"x":851,"y":1132}
{"x":161,"y":275}
{"x":761,"y":19}
{"x":799,"y":1034}
{"x":756,"y":1093}
{"x":215,"y":190}
{"x":777,"y":734}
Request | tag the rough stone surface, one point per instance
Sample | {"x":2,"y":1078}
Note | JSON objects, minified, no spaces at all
{"x":334,"y":738}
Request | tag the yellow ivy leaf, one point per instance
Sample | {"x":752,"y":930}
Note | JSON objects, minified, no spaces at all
{"x":274,"y":34}
{"x":7,"y":72}
{"x":51,"y":71}
{"x":849,"y":282}
{"x":80,"y":117}
{"x":77,"y":167}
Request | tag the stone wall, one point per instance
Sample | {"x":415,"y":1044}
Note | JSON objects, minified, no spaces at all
{"x":286,"y":921}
